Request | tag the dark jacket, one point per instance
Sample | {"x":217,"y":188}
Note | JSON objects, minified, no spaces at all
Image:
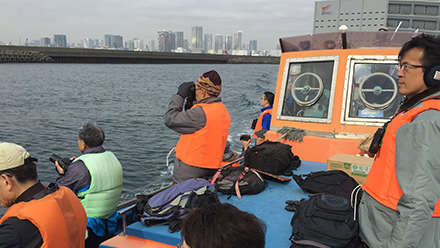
{"x":16,"y":233}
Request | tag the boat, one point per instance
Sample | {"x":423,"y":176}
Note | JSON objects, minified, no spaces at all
{"x":333,"y":90}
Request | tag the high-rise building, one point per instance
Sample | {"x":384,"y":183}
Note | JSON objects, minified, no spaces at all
{"x":45,"y":42}
{"x":88,"y":43}
{"x":113,"y":41}
{"x":197,"y":38}
{"x":228,"y":43}
{"x":60,"y":40}
{"x":150,"y":46}
{"x":179,"y":39}
{"x":245,"y":46}
{"x":118,"y":41}
{"x":218,"y":43}
{"x":107,"y":40}
{"x":253,"y":45}
{"x":129,"y":45}
{"x":372,"y":15}
{"x":166,"y":40}
{"x":207,"y":43}
{"x":138,"y":44}
{"x":238,"y":40}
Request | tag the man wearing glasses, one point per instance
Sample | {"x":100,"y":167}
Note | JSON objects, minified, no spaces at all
{"x":204,"y":127}
{"x":38,"y":216}
{"x":400,"y":205}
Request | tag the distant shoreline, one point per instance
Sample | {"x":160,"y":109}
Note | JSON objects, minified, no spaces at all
{"x":27,"y":54}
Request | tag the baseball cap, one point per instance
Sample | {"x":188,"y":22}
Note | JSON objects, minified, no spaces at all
{"x":261,"y":133}
{"x":12,"y":155}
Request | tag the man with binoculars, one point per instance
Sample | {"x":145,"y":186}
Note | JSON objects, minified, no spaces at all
{"x":204,"y":127}
{"x":96,"y":178}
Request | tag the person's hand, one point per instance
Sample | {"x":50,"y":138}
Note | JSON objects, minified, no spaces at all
{"x":184,"y":89}
{"x":245,"y":143}
{"x":59,"y":169}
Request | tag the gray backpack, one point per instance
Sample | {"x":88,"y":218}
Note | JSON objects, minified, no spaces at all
{"x":172,"y":204}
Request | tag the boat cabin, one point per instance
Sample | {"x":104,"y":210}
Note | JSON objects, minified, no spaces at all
{"x":337,"y":96}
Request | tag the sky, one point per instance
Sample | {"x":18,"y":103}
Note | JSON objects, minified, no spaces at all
{"x":263,"y":20}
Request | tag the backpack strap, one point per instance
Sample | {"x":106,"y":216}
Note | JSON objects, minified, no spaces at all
{"x":256,"y":173}
{"x":214,"y":178}
{"x":237,"y":188}
{"x":219,"y":171}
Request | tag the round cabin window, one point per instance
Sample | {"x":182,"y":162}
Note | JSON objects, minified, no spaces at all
{"x":378,"y":90}
{"x":307,"y":88}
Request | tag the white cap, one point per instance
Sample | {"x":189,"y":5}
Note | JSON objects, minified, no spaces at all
{"x":12,"y":155}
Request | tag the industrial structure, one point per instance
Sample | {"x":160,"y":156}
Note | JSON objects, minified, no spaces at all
{"x":374,"y":15}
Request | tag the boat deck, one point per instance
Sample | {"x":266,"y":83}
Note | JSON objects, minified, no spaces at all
{"x":267,"y":205}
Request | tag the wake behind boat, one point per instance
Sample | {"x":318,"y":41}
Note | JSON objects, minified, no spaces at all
{"x":328,"y":100}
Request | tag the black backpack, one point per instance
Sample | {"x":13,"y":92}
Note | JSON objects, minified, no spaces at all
{"x":238,"y":181}
{"x":333,"y":182}
{"x":324,"y":221}
{"x":272,"y":157}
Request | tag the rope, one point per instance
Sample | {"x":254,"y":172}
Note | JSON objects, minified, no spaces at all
{"x":355,"y":193}
{"x":292,"y":134}
{"x":168,"y":156}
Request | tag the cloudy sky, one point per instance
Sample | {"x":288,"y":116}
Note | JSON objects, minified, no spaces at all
{"x":261,"y":20}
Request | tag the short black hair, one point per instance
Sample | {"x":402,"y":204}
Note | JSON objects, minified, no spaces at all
{"x":269,"y":97}
{"x":221,"y":225}
{"x":430,"y":46}
{"x":92,"y":134}
{"x":24,"y":173}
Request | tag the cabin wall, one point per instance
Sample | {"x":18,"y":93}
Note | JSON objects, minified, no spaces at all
{"x":340,"y":92}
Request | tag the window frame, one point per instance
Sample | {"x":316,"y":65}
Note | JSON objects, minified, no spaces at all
{"x":349,"y":74}
{"x":335,"y":60}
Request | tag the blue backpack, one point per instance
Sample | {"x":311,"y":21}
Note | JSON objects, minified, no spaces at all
{"x":174,"y":203}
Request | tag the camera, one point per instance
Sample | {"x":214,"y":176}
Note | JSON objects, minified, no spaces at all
{"x":254,"y":123}
{"x":377,"y":139}
{"x":245,"y":137}
{"x":63,"y":162}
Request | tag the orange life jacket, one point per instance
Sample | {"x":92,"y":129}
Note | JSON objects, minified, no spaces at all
{"x":382,"y":182}
{"x":259,"y":126}
{"x":204,"y":148}
{"x":59,"y":217}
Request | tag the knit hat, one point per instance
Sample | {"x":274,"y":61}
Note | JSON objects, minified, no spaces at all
{"x":12,"y":156}
{"x":210,"y":82}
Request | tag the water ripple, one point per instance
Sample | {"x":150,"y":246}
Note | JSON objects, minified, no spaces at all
{"x":43,"y":106}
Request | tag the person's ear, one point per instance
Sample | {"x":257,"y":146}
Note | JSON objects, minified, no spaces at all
{"x":7,"y":181}
{"x":81,"y":145}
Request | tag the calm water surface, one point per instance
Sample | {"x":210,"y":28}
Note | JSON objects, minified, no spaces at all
{"x":42,"y":106}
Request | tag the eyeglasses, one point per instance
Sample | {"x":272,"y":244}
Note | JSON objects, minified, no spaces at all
{"x":406,"y":67}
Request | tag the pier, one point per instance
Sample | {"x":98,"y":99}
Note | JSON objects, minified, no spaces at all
{"x":26,"y":54}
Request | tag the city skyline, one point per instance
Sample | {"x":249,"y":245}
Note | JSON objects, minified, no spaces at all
{"x":259,"y":20}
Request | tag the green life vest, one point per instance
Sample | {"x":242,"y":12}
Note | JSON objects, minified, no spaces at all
{"x":102,"y":197}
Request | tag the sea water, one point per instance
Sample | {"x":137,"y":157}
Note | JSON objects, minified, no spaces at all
{"x":42,"y":107}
